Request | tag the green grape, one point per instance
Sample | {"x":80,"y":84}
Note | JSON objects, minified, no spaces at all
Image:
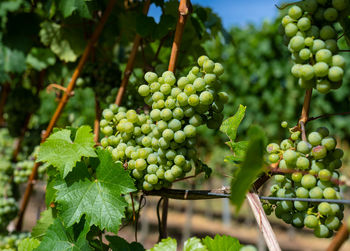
{"x":182,"y":98}
{"x":295,"y":12}
{"x":340,"y":4}
{"x":321,"y":69}
{"x":107,"y":130}
{"x":330,"y":14}
{"x":324,"y":175}
{"x":298,"y":220}
{"x":193,"y":100}
{"x":305,"y":54}
{"x":296,"y":177}
{"x":296,"y":70}
{"x":297,"y":43}
{"x":208,"y":66}
{"x":182,"y":82}
{"x":309,"y":41}
{"x":301,"y":205}
{"x":302,"y":192}
{"x":329,"y":193}
{"x":316,"y":193}
{"x":329,"y":143}
{"x":302,"y":163}
{"x":157,"y":96}
{"x":201,"y":60}
{"x":189,"y":111}
{"x":335,"y":73}
{"x":151,"y":77}
{"x":331,"y":44}
{"x":321,"y":231}
{"x":324,"y":55}
{"x":286,"y":20}
{"x":324,"y":208}
{"x":174,"y":125}
{"x":308,"y":181}
{"x":168,"y":134}
{"x":307,"y":72}
{"x":309,"y":5}
{"x":318,"y":45}
{"x":272,"y":148}
{"x":147,"y":186}
{"x":144,"y":90}
{"x":303,"y":147}
{"x":332,"y":222}
{"x":323,"y":86}
{"x":274,"y":158}
{"x":290,"y":156}
{"x":327,"y":32}
{"x":291,"y":29}
{"x":284,"y":124}
{"x":339,"y":61}
{"x":165,"y":89}
{"x":170,"y":103}
{"x":140,"y":164}
{"x":218,"y":69}
{"x":315,"y":138}
{"x":304,"y":24}
{"x":175,"y":92}
{"x":189,"y":90}
{"x":319,"y":152}
{"x":199,"y":84}
{"x":155,"y":115}
{"x":166,"y":114}
{"x":286,"y":144}
{"x":179,"y":136}
{"x":206,"y":98}
{"x":311,"y":221}
{"x":107,"y":114}
{"x":190,"y":131}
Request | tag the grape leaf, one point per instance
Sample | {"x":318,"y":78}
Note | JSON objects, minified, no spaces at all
{"x":62,"y":153}
{"x":13,"y":60}
{"x":194,"y":244}
{"x":251,"y":165}
{"x":46,"y":219}
{"x":168,"y":244}
{"x":239,"y":150}
{"x":117,"y":243}
{"x":67,"y":7}
{"x":28,"y":244}
{"x":40,"y":58}
{"x":222,"y":243}
{"x":99,"y":200}
{"x":230,"y":125}
{"x":64,"y":41}
{"x":58,"y":238}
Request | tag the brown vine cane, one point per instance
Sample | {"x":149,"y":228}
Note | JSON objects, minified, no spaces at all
{"x":185,"y":8}
{"x":130,"y":65}
{"x":61,"y":106}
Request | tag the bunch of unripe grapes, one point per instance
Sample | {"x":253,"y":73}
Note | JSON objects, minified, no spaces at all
{"x":11,"y":241}
{"x":310,"y":172}
{"x":8,"y":211}
{"x":158,"y":145}
{"x":312,"y":40}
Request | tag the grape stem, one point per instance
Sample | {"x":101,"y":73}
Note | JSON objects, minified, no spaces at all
{"x":328,"y":115}
{"x":61,"y":106}
{"x":339,"y":239}
{"x":305,"y":113}
{"x":53,"y":86}
{"x":130,"y":65}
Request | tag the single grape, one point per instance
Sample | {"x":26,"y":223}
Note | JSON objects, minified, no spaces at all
{"x":315,"y":138}
{"x":338,"y":60}
{"x":206,"y":98}
{"x":144,"y":90}
{"x":296,"y":177}
{"x":182,"y":82}
{"x":324,"y":175}
{"x":302,"y":163}
{"x":297,"y":43}
{"x":340,"y":4}
{"x":301,"y":205}
{"x":321,"y":231}
{"x":274,"y":158}
{"x":193,"y":100}
{"x":331,"y":44}
{"x":329,"y":142}
{"x":318,"y":44}
{"x":304,"y":24}
{"x":319,"y":152}
{"x":151,"y":77}
{"x":335,"y":73}
{"x":284,"y":124}
{"x":302,"y":192}
{"x":329,"y":193}
{"x":290,"y":156}
{"x":324,"y":55}
{"x":218,"y":69}
{"x":324,"y":208}
{"x":272,"y":148}
{"x":307,"y":72}
{"x":321,"y":69}
{"x":286,"y":20}
{"x":311,"y":221}
{"x":179,"y":136}
{"x":323,"y":86}
{"x":308,"y":181}
{"x":168,"y":134}
{"x":295,"y":12}
{"x":208,"y":66}
{"x":332,"y":222}
{"x":316,"y":193}
{"x":296,"y":70}
{"x":330,"y":14}
{"x":327,"y":32}
{"x":291,"y":29}
{"x":303,"y":147}
{"x":201,"y":60}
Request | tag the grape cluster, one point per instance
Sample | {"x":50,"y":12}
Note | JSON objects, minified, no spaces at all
{"x":157,"y":145}
{"x":310,"y":172}
{"x":11,"y":241}
{"x":312,"y":40}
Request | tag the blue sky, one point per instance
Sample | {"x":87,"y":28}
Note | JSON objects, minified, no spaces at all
{"x":235,"y":12}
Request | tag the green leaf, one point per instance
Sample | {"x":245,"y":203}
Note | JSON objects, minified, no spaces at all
{"x":46,"y":219}
{"x":40,"y":58}
{"x":194,"y":244}
{"x":13,"y":61}
{"x":58,"y":238}
{"x":222,"y":243}
{"x":100,"y":200}
{"x":28,"y":244}
{"x":67,"y":43}
{"x":145,"y":25}
{"x":67,"y":7}
{"x":117,"y":243}
{"x":239,"y":150}
{"x":230,"y":125}
{"x":251,"y":166}
{"x":62,"y":153}
{"x":168,"y":244}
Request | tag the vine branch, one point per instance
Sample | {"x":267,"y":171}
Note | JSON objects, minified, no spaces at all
{"x":61,"y":106}
{"x":131,"y":61}
{"x":328,"y":115}
{"x":339,"y":239}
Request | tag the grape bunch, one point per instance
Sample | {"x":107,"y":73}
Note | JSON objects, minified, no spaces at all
{"x":309,"y":29}
{"x":310,"y":172}
{"x":8,"y":211}
{"x":11,"y":241}
{"x":157,"y":144}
